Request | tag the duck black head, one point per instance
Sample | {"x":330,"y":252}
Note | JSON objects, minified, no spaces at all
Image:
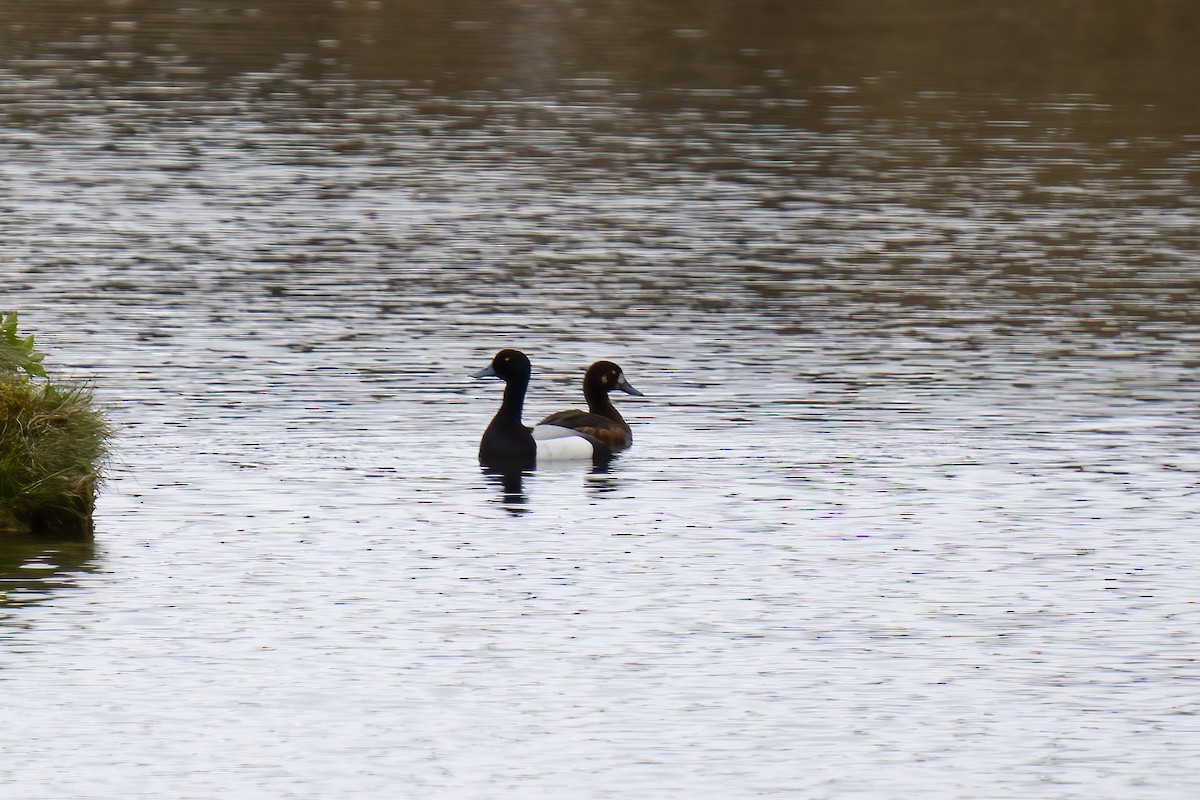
{"x":507,"y":365}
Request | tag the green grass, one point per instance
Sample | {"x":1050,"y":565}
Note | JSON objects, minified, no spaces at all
{"x":53,"y":447}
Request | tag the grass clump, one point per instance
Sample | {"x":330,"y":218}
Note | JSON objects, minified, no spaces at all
{"x":53,"y":443}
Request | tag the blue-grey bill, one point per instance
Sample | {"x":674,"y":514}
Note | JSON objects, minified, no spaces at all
{"x":486,"y":372}
{"x":627,"y":387}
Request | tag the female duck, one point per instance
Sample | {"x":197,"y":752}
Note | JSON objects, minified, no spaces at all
{"x":507,"y":442}
{"x":601,"y":422}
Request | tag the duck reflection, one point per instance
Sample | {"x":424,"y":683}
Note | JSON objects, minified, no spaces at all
{"x":33,"y":566}
{"x":602,"y":479}
{"x":510,"y":481}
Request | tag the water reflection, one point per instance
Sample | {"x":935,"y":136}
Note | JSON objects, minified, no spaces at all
{"x":34,"y":567}
{"x":602,"y":479}
{"x":510,"y":482}
{"x":666,"y":52}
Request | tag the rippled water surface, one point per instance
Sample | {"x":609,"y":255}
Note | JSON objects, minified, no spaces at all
{"x":909,"y":287}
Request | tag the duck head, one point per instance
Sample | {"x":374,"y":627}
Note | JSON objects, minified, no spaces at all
{"x":507,"y":365}
{"x":606,"y":376}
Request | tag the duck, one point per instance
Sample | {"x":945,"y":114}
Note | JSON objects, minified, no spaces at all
{"x":601,"y":422}
{"x":507,"y":442}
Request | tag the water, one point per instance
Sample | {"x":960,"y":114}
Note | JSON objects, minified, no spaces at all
{"x":910,"y":291}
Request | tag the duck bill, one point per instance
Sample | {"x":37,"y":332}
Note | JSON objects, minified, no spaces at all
{"x":627,"y":387}
{"x":487,"y":372}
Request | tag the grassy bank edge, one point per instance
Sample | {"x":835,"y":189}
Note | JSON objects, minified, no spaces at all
{"x":54,"y":444}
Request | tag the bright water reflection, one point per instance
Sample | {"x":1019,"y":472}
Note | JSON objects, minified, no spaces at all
{"x":909,"y":511}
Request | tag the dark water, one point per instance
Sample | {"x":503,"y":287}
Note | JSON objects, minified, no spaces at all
{"x":910,"y":288}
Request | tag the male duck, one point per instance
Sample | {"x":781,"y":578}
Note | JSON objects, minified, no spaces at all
{"x":507,"y":442}
{"x":601,"y":421}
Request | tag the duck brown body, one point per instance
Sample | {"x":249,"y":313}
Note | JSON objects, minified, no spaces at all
{"x":601,"y":421}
